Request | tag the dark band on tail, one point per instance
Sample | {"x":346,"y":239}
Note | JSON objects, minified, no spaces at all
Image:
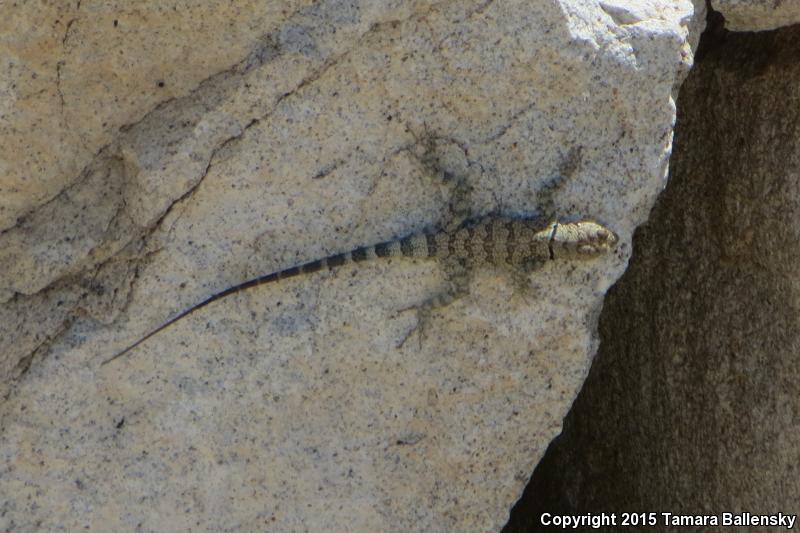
{"x":407,"y":246}
{"x":337,"y":260}
{"x":314,"y":266}
{"x":488,"y":241}
{"x":383,"y":249}
{"x":511,"y":241}
{"x":430,"y":240}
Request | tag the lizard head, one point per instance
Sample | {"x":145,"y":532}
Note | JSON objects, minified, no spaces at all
{"x":581,"y":240}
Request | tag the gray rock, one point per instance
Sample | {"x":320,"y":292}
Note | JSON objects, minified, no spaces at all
{"x":291,"y":406}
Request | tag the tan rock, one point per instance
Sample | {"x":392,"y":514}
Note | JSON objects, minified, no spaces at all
{"x":292,"y":406}
{"x":757,"y":15}
{"x":75,"y":72}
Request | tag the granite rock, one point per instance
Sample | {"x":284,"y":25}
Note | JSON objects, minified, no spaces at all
{"x":74,"y":73}
{"x":325,"y":126}
{"x":757,"y":15}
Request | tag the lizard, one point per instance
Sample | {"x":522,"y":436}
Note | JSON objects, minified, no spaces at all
{"x":521,"y":243}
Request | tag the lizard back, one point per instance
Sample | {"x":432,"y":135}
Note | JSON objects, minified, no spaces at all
{"x":489,"y":240}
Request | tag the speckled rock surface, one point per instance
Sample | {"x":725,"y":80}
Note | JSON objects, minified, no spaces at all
{"x":73,"y":73}
{"x":292,"y":406}
{"x":757,"y":15}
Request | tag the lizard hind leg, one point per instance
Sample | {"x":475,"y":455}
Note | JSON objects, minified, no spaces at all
{"x":458,"y":277}
{"x":521,"y":280}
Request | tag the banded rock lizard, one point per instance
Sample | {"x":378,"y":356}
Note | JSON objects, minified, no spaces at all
{"x":520,"y":243}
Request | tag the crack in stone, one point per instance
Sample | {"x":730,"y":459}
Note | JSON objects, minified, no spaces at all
{"x":58,"y":84}
{"x":238,"y":69}
{"x":317,"y":74}
{"x":66,"y":31}
{"x":24,"y":363}
{"x":512,"y":121}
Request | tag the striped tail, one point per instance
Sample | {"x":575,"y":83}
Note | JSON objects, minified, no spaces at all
{"x":419,"y":245}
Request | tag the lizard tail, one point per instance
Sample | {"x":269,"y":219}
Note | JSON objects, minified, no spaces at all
{"x":419,"y":245}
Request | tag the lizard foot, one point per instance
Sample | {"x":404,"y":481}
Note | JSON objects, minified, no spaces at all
{"x":520,"y":277}
{"x":458,"y":276}
{"x":423,"y":317}
{"x":424,"y":314}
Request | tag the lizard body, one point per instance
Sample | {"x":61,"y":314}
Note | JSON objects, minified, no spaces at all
{"x":488,"y":241}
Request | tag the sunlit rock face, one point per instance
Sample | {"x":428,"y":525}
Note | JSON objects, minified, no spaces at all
{"x":154,"y":155}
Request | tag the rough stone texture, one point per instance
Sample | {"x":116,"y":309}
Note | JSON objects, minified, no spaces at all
{"x":332,"y":125}
{"x":72,"y":73}
{"x":758,"y":15}
{"x":692,"y":401}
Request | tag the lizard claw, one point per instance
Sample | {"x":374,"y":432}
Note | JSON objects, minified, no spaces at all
{"x":423,"y":314}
